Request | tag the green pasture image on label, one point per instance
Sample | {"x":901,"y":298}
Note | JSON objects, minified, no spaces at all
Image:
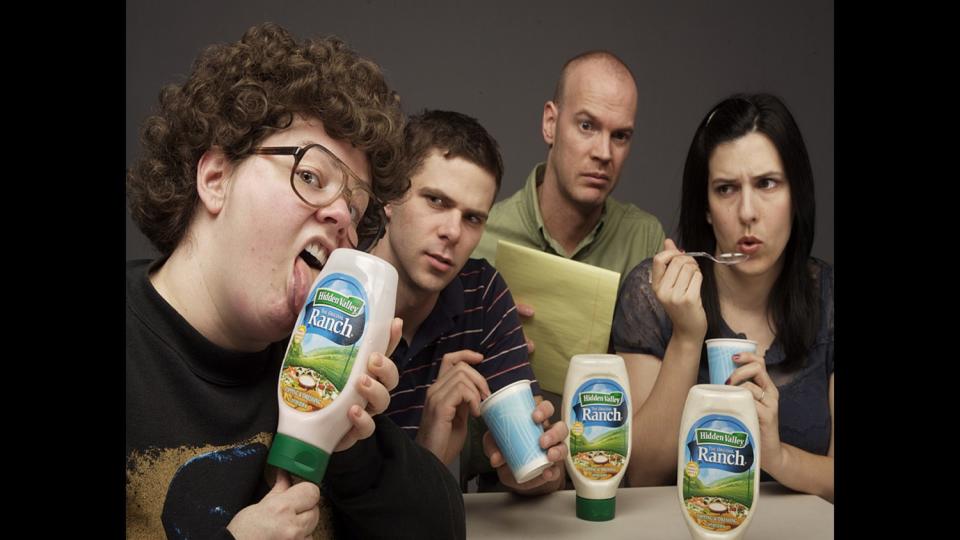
{"x":719,"y":472}
{"x":598,"y":431}
{"x":324,"y":345}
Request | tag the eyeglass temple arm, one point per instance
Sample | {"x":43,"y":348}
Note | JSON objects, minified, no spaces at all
{"x":278,"y":150}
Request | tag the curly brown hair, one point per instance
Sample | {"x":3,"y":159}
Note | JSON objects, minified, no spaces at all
{"x":240,"y":93}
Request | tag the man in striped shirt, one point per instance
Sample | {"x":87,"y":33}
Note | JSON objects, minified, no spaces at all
{"x":462,"y":338}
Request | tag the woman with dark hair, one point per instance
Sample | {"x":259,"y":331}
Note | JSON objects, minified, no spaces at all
{"x":747,"y":187}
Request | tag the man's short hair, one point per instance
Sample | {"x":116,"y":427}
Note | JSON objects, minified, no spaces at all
{"x":454,"y":135}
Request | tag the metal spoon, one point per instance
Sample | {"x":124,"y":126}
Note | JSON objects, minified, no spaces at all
{"x":723,"y":258}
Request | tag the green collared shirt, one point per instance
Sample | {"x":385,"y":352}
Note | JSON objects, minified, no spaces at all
{"x":624,"y":236}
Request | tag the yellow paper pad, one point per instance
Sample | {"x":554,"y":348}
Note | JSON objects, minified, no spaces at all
{"x":573,"y":307}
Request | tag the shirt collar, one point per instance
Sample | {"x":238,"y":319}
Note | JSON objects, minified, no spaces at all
{"x":534,"y":219}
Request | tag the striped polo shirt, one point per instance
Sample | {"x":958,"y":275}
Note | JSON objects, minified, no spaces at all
{"x":475,"y":311}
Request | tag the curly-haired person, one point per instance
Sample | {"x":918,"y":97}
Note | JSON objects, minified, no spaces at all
{"x":272,"y":153}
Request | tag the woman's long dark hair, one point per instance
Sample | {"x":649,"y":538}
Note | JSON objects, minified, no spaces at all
{"x":794,"y":299}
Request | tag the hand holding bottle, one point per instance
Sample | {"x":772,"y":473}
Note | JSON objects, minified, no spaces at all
{"x":381,"y":377}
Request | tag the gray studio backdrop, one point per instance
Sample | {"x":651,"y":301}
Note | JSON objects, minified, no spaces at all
{"x":498,"y":61}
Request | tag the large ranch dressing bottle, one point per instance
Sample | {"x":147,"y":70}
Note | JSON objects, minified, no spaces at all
{"x":346,"y":317}
{"x":718,"y":462}
{"x":597,"y":411}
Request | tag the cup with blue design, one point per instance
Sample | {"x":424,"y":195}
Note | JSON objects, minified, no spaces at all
{"x":508,"y":413}
{"x":720,"y":356}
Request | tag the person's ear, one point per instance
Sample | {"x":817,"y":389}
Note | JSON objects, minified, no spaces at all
{"x":709,"y":218}
{"x":212,"y":174}
{"x":549,"y":124}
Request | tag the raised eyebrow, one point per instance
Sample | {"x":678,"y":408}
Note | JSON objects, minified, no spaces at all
{"x":434,"y":192}
{"x":714,"y":182}
{"x":722,"y":180}
{"x":770,"y":174}
{"x":584,"y":115}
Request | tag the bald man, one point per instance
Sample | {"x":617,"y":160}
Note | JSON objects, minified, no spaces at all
{"x":565,"y":207}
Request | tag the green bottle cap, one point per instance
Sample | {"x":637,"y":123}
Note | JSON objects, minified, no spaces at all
{"x":596,"y":509}
{"x":300,"y":458}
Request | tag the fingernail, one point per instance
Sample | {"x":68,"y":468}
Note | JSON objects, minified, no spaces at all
{"x":356,"y":411}
{"x":736,"y":357}
{"x":366,"y":381}
{"x":377,"y":360}
{"x":727,"y":381}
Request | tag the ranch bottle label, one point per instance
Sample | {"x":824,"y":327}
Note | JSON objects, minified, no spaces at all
{"x":324,"y":344}
{"x":598,"y":434}
{"x":720,"y":472}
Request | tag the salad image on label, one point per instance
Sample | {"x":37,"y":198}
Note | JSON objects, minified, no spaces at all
{"x":305,"y":389}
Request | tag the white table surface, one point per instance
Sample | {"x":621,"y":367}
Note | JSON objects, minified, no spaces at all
{"x":648,"y":512}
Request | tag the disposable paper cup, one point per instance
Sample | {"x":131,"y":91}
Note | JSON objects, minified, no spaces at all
{"x":508,"y":414}
{"x":720,"y":356}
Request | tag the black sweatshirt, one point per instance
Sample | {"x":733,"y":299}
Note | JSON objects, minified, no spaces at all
{"x":199,"y":423}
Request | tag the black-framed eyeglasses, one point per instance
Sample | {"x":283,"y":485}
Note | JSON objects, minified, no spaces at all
{"x":319,"y":177}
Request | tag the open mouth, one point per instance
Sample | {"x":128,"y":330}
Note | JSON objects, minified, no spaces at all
{"x":748,"y":245}
{"x":315,"y":256}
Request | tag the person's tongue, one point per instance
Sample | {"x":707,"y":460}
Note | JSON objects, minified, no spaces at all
{"x":303,"y":277}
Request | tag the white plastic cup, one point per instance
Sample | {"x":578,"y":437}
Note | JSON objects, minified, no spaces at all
{"x":720,"y":356}
{"x":508,"y":413}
